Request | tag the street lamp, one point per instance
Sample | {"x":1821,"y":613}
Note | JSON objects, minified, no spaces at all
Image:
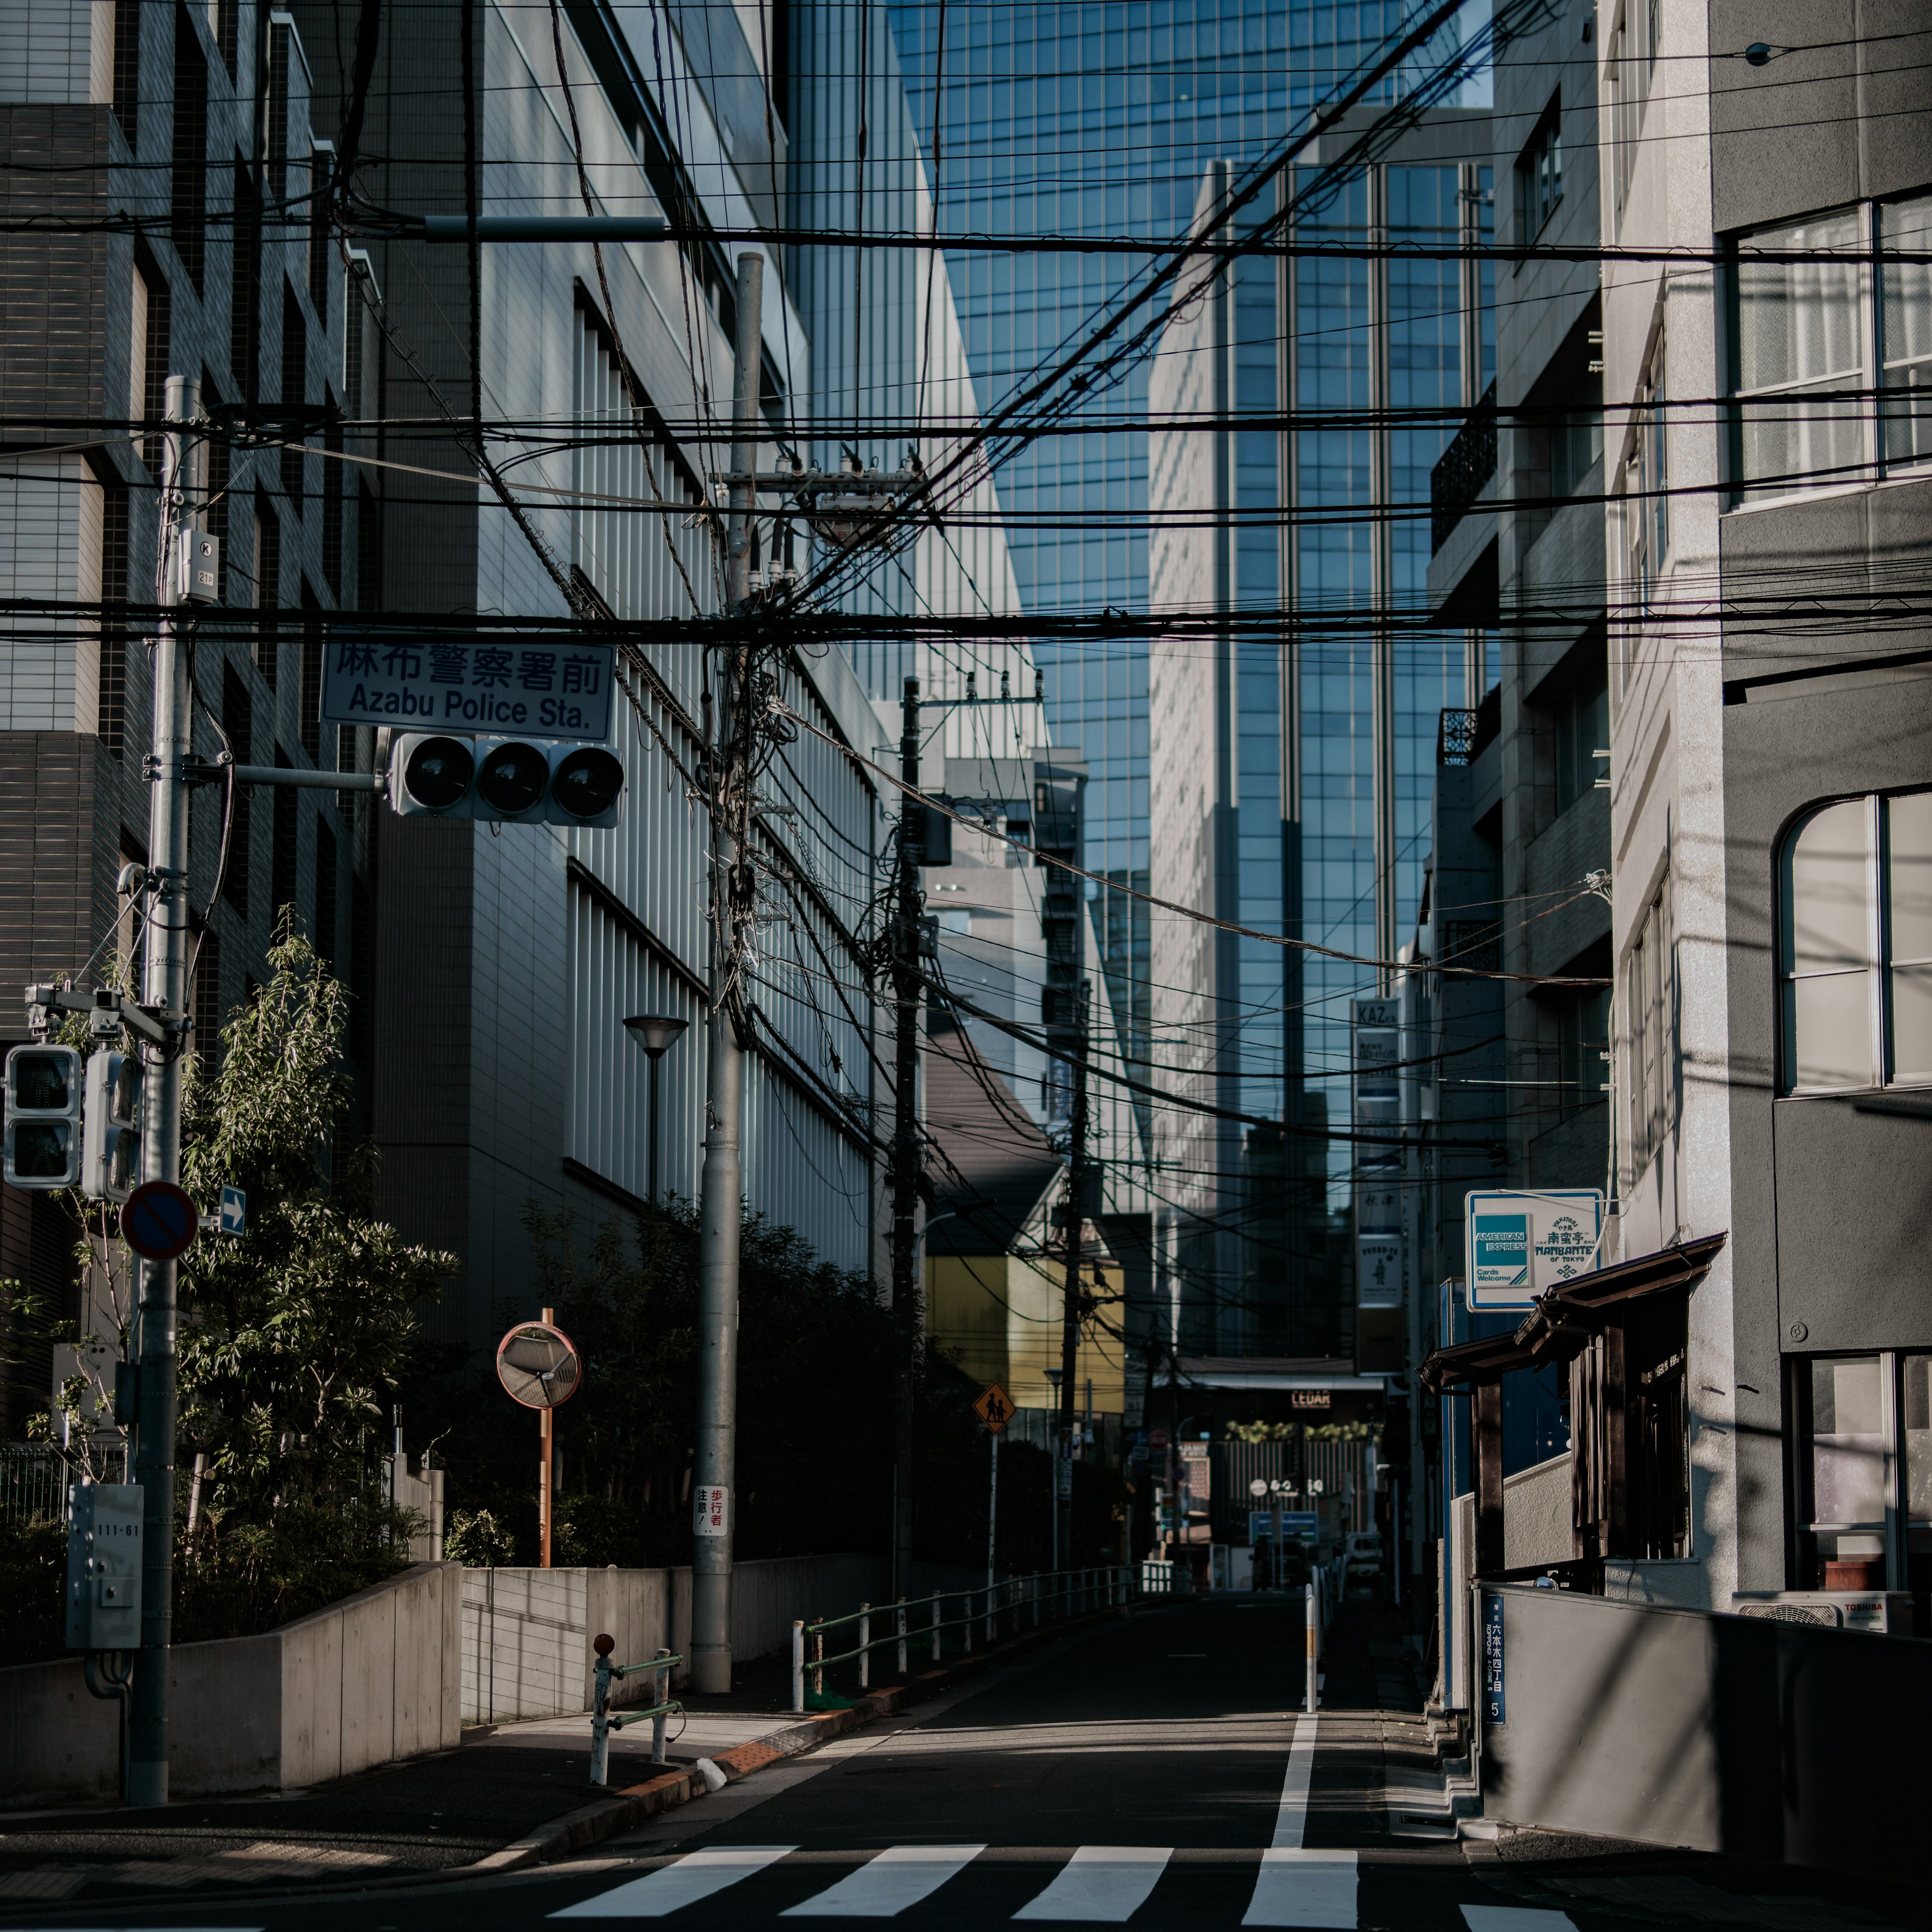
{"x":654,"y":1032}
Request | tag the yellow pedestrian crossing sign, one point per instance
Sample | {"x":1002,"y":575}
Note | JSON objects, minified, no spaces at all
{"x":994,"y":1407}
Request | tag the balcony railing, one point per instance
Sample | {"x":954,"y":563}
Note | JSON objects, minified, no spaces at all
{"x":1462,"y":470}
{"x":1462,"y":736}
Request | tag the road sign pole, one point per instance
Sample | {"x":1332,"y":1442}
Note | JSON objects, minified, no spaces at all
{"x":543,"y":1469}
{"x":164,"y":985}
{"x":993,"y":1517}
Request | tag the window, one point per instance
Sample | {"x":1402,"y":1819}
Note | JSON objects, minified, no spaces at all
{"x":326,"y":890}
{"x":1575,"y":445}
{"x":237,"y":726}
{"x":1629,"y":73}
{"x":127,"y":69}
{"x":1583,"y":738}
{"x":1855,"y":946}
{"x":1649,"y":990}
{"x":294,"y":389}
{"x":1861,"y":1472}
{"x":1643,"y":488}
{"x":1582,"y":1043}
{"x":111,"y":701}
{"x":187,"y":223}
{"x":1539,"y":173}
{"x":1803,"y":332}
{"x":268,"y":585}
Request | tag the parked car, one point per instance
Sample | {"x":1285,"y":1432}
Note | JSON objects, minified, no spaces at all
{"x":1364,"y":1553}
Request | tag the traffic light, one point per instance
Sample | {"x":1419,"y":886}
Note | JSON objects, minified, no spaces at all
{"x":43,"y":1134}
{"x":516,"y":780}
{"x":111,"y":1138}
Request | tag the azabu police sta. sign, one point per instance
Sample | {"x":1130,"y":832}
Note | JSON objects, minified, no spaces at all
{"x":552,"y":687}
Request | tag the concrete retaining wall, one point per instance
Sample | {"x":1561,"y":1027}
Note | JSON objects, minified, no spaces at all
{"x":526,"y":1633}
{"x":1671,"y":1726}
{"x":368,"y":1681}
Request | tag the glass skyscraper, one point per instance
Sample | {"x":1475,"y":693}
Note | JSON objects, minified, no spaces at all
{"x":1099,"y":118}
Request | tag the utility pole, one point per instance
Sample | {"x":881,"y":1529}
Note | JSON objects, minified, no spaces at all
{"x":1075,"y":1214}
{"x":908,"y":1304}
{"x":722,"y":1186}
{"x":164,"y":988}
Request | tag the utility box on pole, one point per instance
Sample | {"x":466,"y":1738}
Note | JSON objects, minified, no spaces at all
{"x":103,"y":1566}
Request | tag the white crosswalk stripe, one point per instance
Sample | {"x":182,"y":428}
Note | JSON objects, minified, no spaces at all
{"x":1298,"y":1887}
{"x":1516,"y":1918}
{"x":884,"y":1886}
{"x":671,"y":1888}
{"x":1101,"y":1885}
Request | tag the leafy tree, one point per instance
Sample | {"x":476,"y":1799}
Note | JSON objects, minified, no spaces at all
{"x":291,"y":1337}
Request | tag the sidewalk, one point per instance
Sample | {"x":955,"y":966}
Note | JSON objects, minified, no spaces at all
{"x":509,"y":1795}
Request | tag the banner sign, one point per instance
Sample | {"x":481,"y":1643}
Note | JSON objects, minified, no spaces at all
{"x":555,"y":687}
{"x":1518,"y":1245}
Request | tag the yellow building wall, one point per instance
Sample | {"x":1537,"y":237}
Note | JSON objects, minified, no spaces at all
{"x":998,"y":1317}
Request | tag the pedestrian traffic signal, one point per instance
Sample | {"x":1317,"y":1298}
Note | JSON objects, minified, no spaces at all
{"x":42,"y":1146}
{"x":111,"y":1136}
{"x":514,"y":780}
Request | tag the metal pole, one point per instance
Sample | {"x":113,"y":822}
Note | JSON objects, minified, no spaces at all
{"x":901,"y":1629}
{"x":865,"y":1647}
{"x":722,"y":1187}
{"x":600,"y":1720}
{"x":1070,"y":1325}
{"x":993,"y":1525}
{"x":660,"y":1695}
{"x":652,"y":1171}
{"x":935,"y":1626}
{"x":1312,"y":1687}
{"x":547,"y":1434}
{"x":797,"y":1666}
{"x":908,"y":1304}
{"x":164,"y":984}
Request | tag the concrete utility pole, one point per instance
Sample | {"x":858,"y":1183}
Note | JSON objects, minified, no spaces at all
{"x":908,"y":1304}
{"x":164,"y":987}
{"x":1076,"y":1214}
{"x":722,"y":1186}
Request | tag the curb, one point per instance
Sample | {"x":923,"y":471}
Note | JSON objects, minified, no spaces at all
{"x":591,"y":1824}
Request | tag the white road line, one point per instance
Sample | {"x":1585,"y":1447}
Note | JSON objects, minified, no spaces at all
{"x":1292,"y":1816}
{"x":1103,"y":1885}
{"x":1295,"y":1887}
{"x":672,"y":1887}
{"x":882,"y":1888}
{"x":1516,"y":1918}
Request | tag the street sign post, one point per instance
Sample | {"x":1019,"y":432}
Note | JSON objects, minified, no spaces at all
{"x":549,"y":687}
{"x":994,"y":1409}
{"x":1518,"y":1245}
{"x":159,"y":1222}
{"x":538,"y":1366}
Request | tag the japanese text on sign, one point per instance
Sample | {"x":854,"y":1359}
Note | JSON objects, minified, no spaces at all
{"x":1493,"y":1660}
{"x":549,"y":687}
{"x":711,"y":1510}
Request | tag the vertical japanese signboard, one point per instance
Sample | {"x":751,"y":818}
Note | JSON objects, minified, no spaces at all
{"x":1375,"y":1037}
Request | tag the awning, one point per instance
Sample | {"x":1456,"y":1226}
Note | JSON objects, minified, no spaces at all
{"x":1561,"y":1324}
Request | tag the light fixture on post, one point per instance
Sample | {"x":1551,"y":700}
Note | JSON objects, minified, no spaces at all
{"x":654,"y":1032}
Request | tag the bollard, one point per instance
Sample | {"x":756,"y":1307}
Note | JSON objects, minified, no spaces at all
{"x":935,"y":1626}
{"x":1313,"y":1688}
{"x":798,"y":1667}
{"x":600,"y":1712}
{"x":865,"y":1647}
{"x":817,"y":1659}
{"x":900,"y":1611}
{"x":989,"y":1616}
{"x":660,"y":1694}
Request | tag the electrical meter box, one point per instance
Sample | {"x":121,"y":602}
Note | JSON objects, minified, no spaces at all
{"x":103,"y":1566}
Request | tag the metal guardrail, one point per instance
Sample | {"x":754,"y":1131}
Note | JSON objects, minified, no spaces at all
{"x":1069,"y":1592}
{"x":604,"y":1720}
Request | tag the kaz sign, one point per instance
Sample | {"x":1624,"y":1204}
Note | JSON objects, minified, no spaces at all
{"x":556,"y":687}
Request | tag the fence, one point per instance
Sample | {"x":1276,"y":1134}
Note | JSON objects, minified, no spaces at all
{"x":914,"y":1622}
{"x":526,"y":1633}
{"x":34,"y":1476}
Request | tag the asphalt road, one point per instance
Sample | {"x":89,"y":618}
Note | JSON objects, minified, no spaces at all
{"x":1156,"y":1769}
